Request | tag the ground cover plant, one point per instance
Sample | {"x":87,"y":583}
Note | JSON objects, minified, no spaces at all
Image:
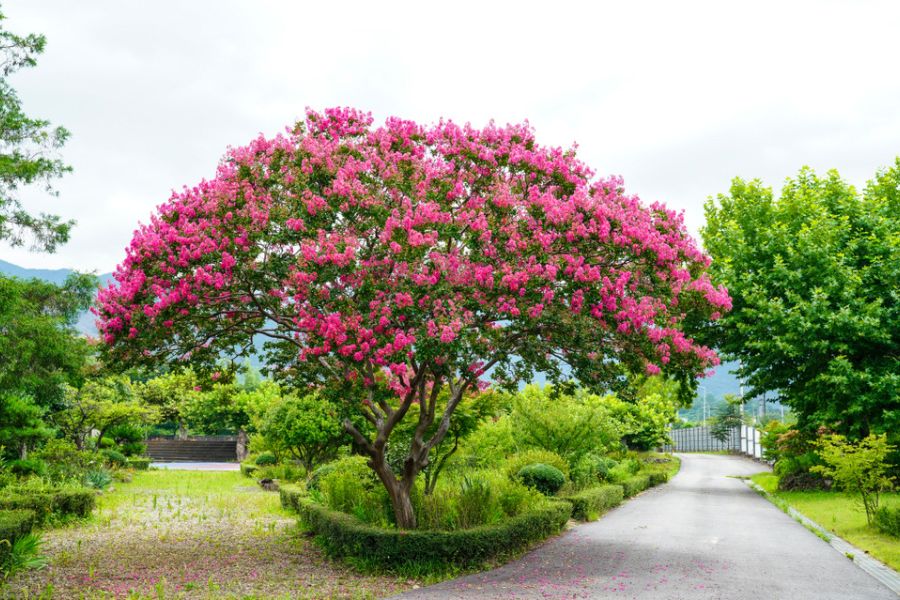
{"x":841,"y":513}
{"x":190,"y":535}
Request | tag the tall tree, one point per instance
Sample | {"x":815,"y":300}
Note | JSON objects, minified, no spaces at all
{"x":389,"y":264}
{"x":28,"y":148}
{"x":815,"y":280}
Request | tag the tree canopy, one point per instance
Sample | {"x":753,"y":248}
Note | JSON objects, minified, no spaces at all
{"x":815,"y":280}
{"x":28,"y":149}
{"x":388,"y":263}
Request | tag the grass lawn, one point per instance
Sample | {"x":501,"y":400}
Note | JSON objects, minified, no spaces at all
{"x":842,"y":514}
{"x":183,"y":534}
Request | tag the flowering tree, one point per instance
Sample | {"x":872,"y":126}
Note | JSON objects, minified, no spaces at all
{"x":390,"y":264}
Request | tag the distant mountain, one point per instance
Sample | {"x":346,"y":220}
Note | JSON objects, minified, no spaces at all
{"x":85,"y":323}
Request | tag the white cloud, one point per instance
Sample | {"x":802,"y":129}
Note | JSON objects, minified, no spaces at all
{"x":676,"y":97}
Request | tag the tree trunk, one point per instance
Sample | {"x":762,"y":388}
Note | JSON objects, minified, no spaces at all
{"x":23,"y":451}
{"x":398,"y":491}
{"x":181,"y":434}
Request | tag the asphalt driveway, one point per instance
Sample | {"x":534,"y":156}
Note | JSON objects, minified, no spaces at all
{"x":702,"y":535}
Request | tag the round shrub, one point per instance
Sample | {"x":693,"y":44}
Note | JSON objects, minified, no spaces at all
{"x":546,"y":479}
{"x":114,"y":458}
{"x":28,"y":466}
{"x":266,"y":459}
{"x":515,"y":462}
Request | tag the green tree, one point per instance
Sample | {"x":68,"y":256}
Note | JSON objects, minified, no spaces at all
{"x":22,"y":424}
{"x":99,"y":405}
{"x":814,"y":277}
{"x":40,"y":350}
{"x":727,"y":418}
{"x":306,"y":427}
{"x":170,"y":393}
{"x":859,"y":467}
{"x":28,"y":149}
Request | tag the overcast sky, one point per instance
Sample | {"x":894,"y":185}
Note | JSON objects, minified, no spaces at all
{"x":677,"y":97}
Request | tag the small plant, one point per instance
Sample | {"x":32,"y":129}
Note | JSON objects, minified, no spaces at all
{"x":97,"y":479}
{"x":857,"y":467}
{"x":113,"y":457}
{"x":474,"y":505}
{"x":25,"y":553}
{"x":266,"y":459}
{"x":887,"y":520}
{"x":544,"y":478}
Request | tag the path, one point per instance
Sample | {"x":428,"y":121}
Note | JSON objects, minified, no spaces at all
{"x":197,"y":466}
{"x":703,"y":535}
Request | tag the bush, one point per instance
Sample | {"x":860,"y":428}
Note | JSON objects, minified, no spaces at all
{"x":65,"y":462}
{"x":28,"y":466}
{"x":114,"y":458}
{"x":635,"y":485}
{"x":887,"y":520}
{"x":285,"y":472}
{"x":589,"y":504}
{"x":353,"y":488}
{"x":139,"y":463}
{"x":343,"y":535}
{"x":591,"y":469}
{"x":248,"y":469}
{"x":290,"y":496}
{"x":544,"y":478}
{"x":317,"y":475}
{"x":474,"y":504}
{"x":265,"y":459}
{"x":14,"y":524}
{"x":47,"y":501}
{"x":515,"y":462}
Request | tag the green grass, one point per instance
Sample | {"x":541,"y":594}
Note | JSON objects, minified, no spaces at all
{"x":188,"y":534}
{"x":841,"y":514}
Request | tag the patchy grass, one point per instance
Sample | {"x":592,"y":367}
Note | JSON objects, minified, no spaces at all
{"x":188,"y":534}
{"x":841,"y":514}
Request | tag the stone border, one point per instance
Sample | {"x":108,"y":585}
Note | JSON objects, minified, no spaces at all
{"x":872,"y":566}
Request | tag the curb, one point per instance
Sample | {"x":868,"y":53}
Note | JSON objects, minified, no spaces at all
{"x":872,"y":566}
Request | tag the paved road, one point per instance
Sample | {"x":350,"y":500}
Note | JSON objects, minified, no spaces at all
{"x":703,"y":535}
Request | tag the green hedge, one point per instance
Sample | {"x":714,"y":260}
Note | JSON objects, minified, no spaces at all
{"x":13,"y":525}
{"x":635,"y":485}
{"x":657,"y":477}
{"x":247,"y":469}
{"x":290,"y":496}
{"x":589,"y":504}
{"x":77,"y":502}
{"x":887,"y":520}
{"x":344,"y":535}
{"x":141,"y":463}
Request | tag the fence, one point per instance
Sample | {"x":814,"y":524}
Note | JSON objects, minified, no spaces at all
{"x":743,"y":439}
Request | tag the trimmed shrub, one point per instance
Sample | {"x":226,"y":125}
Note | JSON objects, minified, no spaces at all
{"x":266,"y":459}
{"x":13,"y":525}
{"x":544,"y":478}
{"x":657,"y":477}
{"x":285,"y":472}
{"x":27,"y":466}
{"x":635,"y":485}
{"x":589,"y":504}
{"x":248,"y":469}
{"x":77,"y":502}
{"x":343,"y":535}
{"x":114,"y":458}
{"x":290,"y":496}
{"x":887,"y":520}
{"x":515,"y":462}
{"x":139,"y":463}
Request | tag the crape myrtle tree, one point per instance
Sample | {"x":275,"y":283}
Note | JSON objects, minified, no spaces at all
{"x":388,"y":264}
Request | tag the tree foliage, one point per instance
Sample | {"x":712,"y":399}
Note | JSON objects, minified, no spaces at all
{"x":307,"y":428}
{"x":388,"y":264}
{"x":859,"y":467}
{"x":815,"y":280}
{"x":40,"y":349}
{"x":28,"y":149}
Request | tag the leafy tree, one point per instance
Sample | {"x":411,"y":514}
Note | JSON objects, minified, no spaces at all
{"x":306,"y":427}
{"x":27,"y":151}
{"x":99,"y":405}
{"x":229,"y":406}
{"x":860,"y":467}
{"x":22,"y":424}
{"x":569,"y":425}
{"x":40,"y":349}
{"x":814,"y":276}
{"x":389,"y":264}
{"x":727,"y":418}
{"x":170,"y":393}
